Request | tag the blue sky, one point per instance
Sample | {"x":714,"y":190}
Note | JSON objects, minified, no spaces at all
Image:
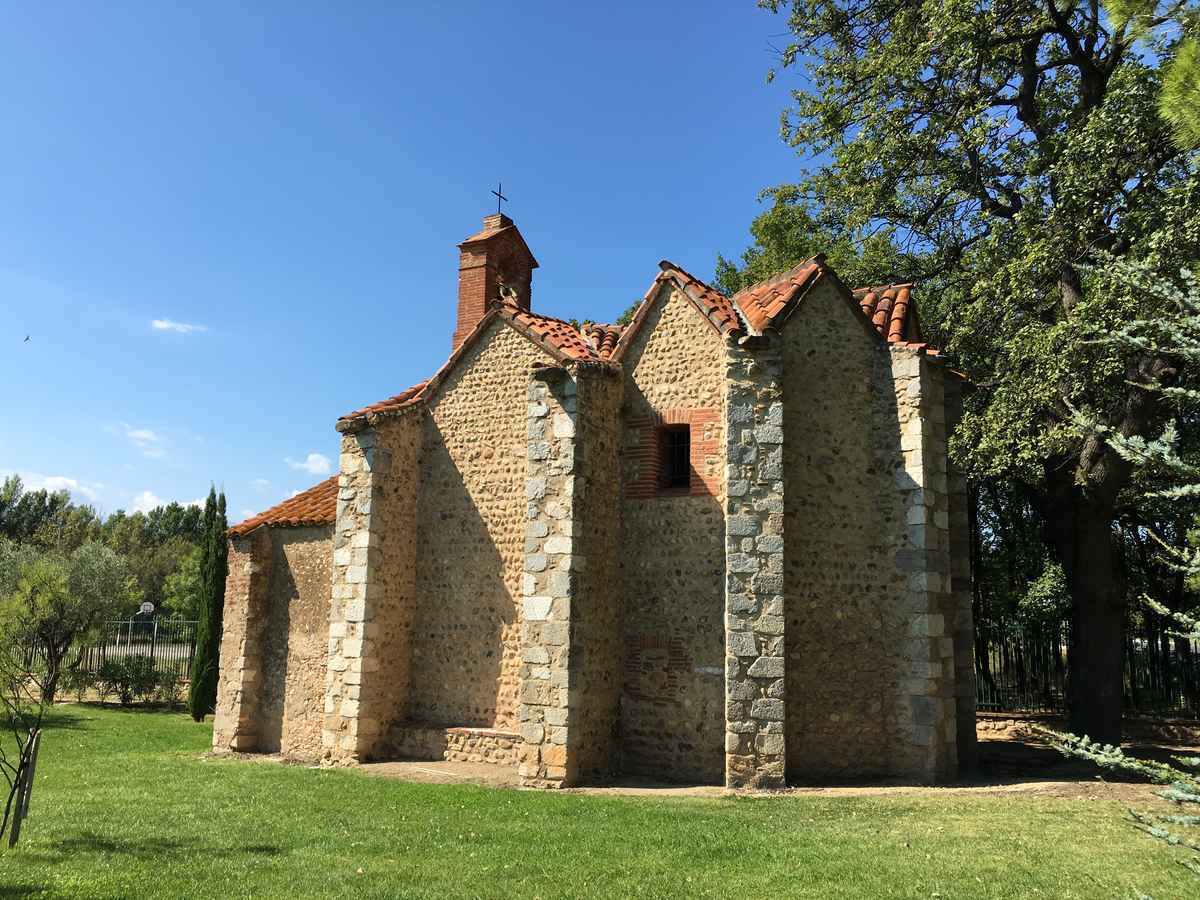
{"x":280,"y":187}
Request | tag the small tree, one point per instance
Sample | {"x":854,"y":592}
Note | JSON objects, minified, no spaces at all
{"x":202,"y":697}
{"x":57,"y":601}
{"x":49,"y":602}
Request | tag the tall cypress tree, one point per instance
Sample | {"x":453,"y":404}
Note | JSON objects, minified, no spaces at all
{"x":202,"y":695}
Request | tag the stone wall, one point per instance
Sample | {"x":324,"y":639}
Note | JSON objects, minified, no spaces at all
{"x":470,"y":537}
{"x":369,"y":673}
{"x":468,"y":745}
{"x":235,"y":725}
{"x":596,"y":648}
{"x":844,"y":525}
{"x":672,"y":557}
{"x":295,"y":642}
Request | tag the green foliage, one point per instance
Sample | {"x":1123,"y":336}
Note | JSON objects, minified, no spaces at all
{"x":182,"y":588}
{"x":213,"y":566}
{"x":57,"y":600}
{"x":1181,"y":94}
{"x":168,"y":689}
{"x":987,"y":152}
{"x":1168,"y":29}
{"x":130,"y":678}
{"x":789,"y":233}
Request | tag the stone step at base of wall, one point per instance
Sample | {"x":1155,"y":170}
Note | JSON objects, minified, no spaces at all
{"x":452,"y":743}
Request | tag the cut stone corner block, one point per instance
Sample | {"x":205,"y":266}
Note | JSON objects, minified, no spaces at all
{"x":550,"y":581}
{"x":244,"y":617}
{"x":755,"y":683}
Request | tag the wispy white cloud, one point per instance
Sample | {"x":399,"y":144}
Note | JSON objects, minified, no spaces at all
{"x":294,"y":493}
{"x":199,"y":502}
{"x":146,"y":440}
{"x":146,"y":501}
{"x":313,"y":464}
{"x":180,"y":327}
{"x":248,"y":513}
{"x":260,"y":484}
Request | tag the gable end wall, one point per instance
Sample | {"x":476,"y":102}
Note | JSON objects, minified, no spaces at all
{"x":673,"y":552}
{"x":470,"y":537}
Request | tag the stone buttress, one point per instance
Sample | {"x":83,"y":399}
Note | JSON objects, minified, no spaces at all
{"x":569,"y":683}
{"x":926,"y":730}
{"x":236,"y":721}
{"x":373,"y":590}
{"x":754,"y":596}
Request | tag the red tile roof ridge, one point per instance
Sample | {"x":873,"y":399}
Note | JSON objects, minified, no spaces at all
{"x":720,"y":311}
{"x":891,"y":311}
{"x":603,"y":337}
{"x":315,"y":506}
{"x":768,"y":301}
{"x":395,"y":403}
{"x":559,"y":336}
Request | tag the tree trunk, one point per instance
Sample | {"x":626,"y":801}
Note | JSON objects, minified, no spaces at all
{"x":1097,"y":625}
{"x":1080,"y":529}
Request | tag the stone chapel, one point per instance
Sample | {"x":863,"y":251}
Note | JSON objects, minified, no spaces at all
{"x":720,"y":544}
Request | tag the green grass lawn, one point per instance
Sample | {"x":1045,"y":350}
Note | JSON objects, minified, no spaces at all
{"x":125,"y":806}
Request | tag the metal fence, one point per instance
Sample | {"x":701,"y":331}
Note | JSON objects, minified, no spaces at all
{"x":1025,"y":669}
{"x":169,"y":643}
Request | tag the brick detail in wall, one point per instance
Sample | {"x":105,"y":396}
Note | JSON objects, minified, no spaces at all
{"x":754,"y":591}
{"x":645,"y":455}
{"x":235,"y":725}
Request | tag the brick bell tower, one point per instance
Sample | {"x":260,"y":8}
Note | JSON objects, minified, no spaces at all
{"x":497,"y":256}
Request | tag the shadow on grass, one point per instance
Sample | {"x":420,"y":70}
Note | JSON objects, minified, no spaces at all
{"x":22,"y":890}
{"x":54,"y":720}
{"x":138,"y":709}
{"x":148,"y":848}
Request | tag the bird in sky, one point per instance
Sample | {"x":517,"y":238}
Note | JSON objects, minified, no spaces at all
{"x":26,"y":341}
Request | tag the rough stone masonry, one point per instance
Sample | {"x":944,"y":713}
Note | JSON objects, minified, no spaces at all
{"x":721,"y":543}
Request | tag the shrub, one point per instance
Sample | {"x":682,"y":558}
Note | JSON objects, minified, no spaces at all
{"x":77,"y":682}
{"x":130,"y":678}
{"x":169,"y":690}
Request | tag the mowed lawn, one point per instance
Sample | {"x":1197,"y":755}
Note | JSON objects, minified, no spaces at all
{"x":126,"y":805}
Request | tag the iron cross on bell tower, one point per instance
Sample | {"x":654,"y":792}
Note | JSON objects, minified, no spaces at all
{"x":500,"y":198}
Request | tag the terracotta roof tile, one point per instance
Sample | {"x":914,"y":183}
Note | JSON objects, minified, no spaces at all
{"x":316,"y":506}
{"x":603,"y":338}
{"x":716,"y":306}
{"x":763,"y":303}
{"x":888,"y":308}
{"x":553,"y":333}
{"x":391,"y":404}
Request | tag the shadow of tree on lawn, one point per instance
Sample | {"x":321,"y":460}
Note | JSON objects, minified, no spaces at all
{"x":147,"y":848}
